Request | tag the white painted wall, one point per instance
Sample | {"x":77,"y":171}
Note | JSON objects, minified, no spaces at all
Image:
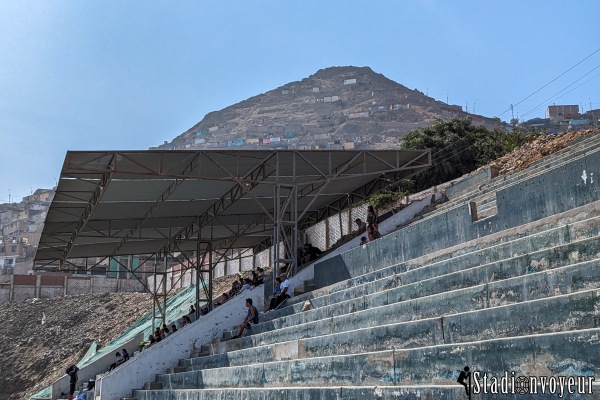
{"x":387,"y":226}
{"x":166,"y":354}
{"x":90,"y":371}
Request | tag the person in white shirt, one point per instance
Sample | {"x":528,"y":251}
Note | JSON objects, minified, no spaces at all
{"x":246,"y":286}
{"x":284,"y":294}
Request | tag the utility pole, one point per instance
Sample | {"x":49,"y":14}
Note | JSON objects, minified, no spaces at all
{"x":512,"y":111}
{"x":594,"y":122}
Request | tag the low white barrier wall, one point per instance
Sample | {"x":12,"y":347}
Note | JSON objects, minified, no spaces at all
{"x":97,"y":367}
{"x":165,"y":354}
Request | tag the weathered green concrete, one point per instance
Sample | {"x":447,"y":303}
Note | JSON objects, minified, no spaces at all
{"x":446,"y":277}
{"x":564,"y":353}
{"x":567,"y":354}
{"x":358,"y":369}
{"x":555,"y":314}
{"x":524,"y":300}
{"x":461,"y":259}
{"x":324,"y":393}
{"x":434,"y":392}
{"x":557,"y":190}
{"x":534,"y":286}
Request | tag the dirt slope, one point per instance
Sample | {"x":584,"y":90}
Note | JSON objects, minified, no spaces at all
{"x":41,"y":337}
{"x":543,"y":145}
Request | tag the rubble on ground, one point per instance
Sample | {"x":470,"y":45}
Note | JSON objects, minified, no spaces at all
{"x":42,"y":337}
{"x":541,"y":146}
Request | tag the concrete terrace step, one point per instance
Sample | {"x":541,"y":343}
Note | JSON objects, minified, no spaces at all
{"x":405,"y":330}
{"x":540,"y":285}
{"x":507,"y":180}
{"x":564,"y":353}
{"x":578,"y":229}
{"x":430,"y":280}
{"x":582,"y":147}
{"x":560,"y":313}
{"x":398,"y":392}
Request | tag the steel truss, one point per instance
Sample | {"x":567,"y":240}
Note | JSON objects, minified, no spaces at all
{"x":205,"y":204}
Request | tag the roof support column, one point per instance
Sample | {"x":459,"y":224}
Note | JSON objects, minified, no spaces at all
{"x":285,"y":230}
{"x":203,"y":257}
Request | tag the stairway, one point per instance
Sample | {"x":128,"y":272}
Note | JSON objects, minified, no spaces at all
{"x":527,"y":303}
{"x":513,"y":292}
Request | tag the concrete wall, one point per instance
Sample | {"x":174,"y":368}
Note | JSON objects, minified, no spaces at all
{"x":167,"y":353}
{"x":90,"y":371}
{"x":335,"y":269}
{"x":462,"y":185}
{"x":557,"y":190}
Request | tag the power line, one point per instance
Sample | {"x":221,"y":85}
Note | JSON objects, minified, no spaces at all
{"x":564,"y":94}
{"x":553,"y":97}
{"x":513,"y":105}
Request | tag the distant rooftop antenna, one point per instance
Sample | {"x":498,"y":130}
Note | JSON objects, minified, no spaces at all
{"x":512,"y":111}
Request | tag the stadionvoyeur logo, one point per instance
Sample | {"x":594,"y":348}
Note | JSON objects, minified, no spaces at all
{"x":512,"y":383}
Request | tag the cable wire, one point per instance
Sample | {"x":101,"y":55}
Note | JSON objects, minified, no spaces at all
{"x":554,"y":97}
{"x":514,"y":105}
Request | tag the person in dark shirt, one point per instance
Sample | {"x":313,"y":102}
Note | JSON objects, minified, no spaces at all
{"x":310,"y":253}
{"x":72,"y":372}
{"x":251,"y":317}
{"x":120,"y":360}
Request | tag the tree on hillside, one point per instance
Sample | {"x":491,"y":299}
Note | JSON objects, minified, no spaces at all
{"x":458,"y":147}
{"x":498,"y":142}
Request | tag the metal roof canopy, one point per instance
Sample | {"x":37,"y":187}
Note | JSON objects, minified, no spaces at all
{"x":112,"y":203}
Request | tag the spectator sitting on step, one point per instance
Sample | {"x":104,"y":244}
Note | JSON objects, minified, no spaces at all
{"x":235,"y":287}
{"x":361,"y":226}
{"x":247,"y":286}
{"x":125,"y":354}
{"x":120,"y":360}
{"x":173,"y":328}
{"x":151,"y":340}
{"x":224,"y":297}
{"x":363,"y":240}
{"x":158,"y":334}
{"x":284,"y":294}
{"x":276,"y":291}
{"x":166,"y":330}
{"x":185,"y":320}
{"x":251,"y":317}
{"x":255,"y":278}
{"x":310,"y":253}
{"x":261,"y":275}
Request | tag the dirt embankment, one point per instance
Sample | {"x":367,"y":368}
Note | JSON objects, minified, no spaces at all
{"x":41,"y":337}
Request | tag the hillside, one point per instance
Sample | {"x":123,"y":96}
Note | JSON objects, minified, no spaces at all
{"x":41,"y":337}
{"x":335,"y":108}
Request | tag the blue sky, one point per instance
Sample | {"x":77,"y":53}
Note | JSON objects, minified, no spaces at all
{"x":121,"y":75}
